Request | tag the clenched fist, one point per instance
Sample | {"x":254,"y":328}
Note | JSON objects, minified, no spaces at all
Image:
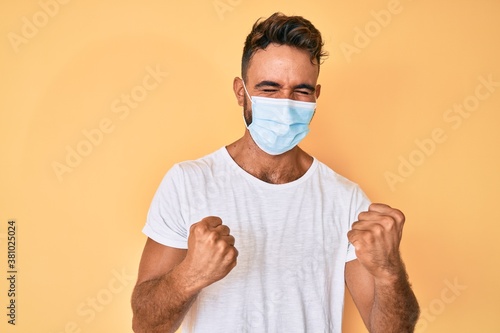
{"x":211,"y":253}
{"x":376,"y":237}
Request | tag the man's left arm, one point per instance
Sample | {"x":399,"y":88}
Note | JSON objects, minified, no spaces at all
{"x":377,"y":280}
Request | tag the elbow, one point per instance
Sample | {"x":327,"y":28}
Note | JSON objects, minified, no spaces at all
{"x":136,"y":328}
{"x":142,"y":322}
{"x":415,"y":316}
{"x":137,"y":323}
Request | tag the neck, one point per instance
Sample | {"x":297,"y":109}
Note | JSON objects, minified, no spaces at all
{"x":279,"y":169}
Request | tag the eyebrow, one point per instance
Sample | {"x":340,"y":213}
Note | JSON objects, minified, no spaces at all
{"x":277,"y":85}
{"x":305,"y":86}
{"x":267,"y":84}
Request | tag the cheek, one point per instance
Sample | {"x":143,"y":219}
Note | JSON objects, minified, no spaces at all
{"x":245,"y":103}
{"x":247,"y":112}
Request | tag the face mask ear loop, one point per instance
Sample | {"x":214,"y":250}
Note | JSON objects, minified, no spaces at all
{"x":243,"y":114}
{"x":244,"y":87}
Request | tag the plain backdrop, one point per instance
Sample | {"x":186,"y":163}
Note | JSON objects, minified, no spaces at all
{"x":99,"y":99}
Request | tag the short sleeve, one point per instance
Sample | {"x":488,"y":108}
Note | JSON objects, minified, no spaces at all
{"x":165,"y":223}
{"x":359,"y":203}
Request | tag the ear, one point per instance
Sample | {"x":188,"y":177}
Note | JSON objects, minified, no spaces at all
{"x":239,"y":91}
{"x":318,"y":90}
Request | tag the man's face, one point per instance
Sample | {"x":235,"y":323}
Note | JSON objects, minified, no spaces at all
{"x":281,"y":71}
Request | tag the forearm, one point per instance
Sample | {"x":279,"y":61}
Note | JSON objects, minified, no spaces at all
{"x":395,"y":307}
{"x":160,"y":305}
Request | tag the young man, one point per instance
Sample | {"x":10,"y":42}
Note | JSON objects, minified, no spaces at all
{"x":261,"y":237}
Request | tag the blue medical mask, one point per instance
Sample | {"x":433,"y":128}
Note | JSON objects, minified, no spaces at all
{"x":279,"y":124}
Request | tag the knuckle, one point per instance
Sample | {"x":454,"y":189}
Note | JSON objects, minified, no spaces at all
{"x":231,"y":254}
{"x":212,"y":236}
{"x":224,"y":230}
{"x":369,"y":237}
{"x":197,"y":228}
{"x":360,"y":248}
{"x":400,"y":216}
{"x":378,"y":229}
{"x":355,"y":224}
{"x":213,"y":218}
{"x":387,"y":221}
{"x":192,"y":227}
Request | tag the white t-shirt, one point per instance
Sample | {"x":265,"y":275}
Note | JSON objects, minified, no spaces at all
{"x":291,"y":238}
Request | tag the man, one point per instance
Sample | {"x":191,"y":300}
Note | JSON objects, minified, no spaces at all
{"x":261,"y":237}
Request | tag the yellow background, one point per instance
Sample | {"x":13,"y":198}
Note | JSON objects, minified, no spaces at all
{"x":79,"y":234}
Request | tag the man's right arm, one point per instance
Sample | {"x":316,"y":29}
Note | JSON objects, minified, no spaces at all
{"x":170,"y":279}
{"x":160,"y":300}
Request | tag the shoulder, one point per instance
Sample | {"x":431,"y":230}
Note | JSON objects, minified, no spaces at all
{"x":341,"y":188}
{"x":203,"y":169}
{"x":332,"y":178}
{"x":197,"y":170}
{"x":203,"y":163}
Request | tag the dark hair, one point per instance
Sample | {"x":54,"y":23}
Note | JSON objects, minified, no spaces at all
{"x":280,"y":29}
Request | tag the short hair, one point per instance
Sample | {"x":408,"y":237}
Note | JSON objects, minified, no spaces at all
{"x":280,"y":29}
